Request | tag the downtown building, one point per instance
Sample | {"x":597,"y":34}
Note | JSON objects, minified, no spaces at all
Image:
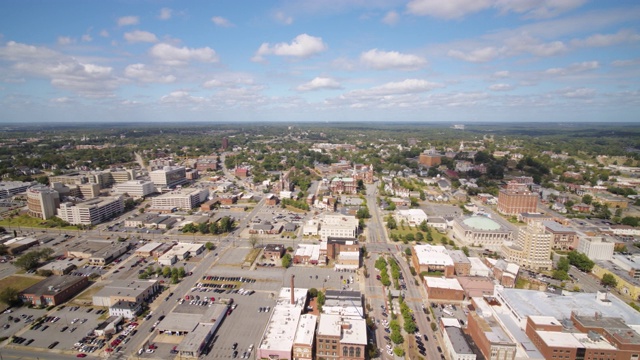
{"x":532,"y":248}
{"x":135,"y":188}
{"x":42,"y":202}
{"x":169,"y":176}
{"x":185,"y":199}
{"x":92,"y":212}
{"x":516,"y":198}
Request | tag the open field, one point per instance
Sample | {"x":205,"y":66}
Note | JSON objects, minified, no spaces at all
{"x":19,"y":282}
{"x":28,"y":221}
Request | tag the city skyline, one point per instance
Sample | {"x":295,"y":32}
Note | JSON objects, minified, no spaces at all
{"x":395,"y":61}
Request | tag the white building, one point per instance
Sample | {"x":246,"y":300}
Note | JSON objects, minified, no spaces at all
{"x":278,"y":337}
{"x":11,"y":188}
{"x":455,"y":342}
{"x":532,"y":249}
{"x":169,"y":176}
{"x":340,"y":226}
{"x":478,"y":268}
{"x":411,"y":217}
{"x":42,"y":202}
{"x":91,"y":212}
{"x":481,"y":231}
{"x":181,"y":251}
{"x":185,"y":199}
{"x":126,"y":309}
{"x":596,"y":247}
{"x":135,"y":188}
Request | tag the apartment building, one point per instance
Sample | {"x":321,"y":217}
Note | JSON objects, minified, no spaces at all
{"x":42,"y":202}
{"x":91,"y":212}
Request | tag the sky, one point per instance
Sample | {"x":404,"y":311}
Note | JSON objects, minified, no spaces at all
{"x":463,"y":61}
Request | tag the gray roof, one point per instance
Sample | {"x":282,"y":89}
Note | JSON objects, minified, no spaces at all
{"x":460,"y":344}
{"x":53,"y":285}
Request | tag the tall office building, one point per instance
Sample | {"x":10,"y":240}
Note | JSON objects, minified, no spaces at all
{"x":42,"y":202}
{"x":517,"y":199}
{"x":169,"y":176}
{"x":532,"y":249}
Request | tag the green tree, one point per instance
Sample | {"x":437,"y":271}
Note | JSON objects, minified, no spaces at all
{"x":419,"y":236}
{"x":363,"y":213}
{"x":9,"y":296}
{"x":465,"y":250}
{"x":166,"y":271}
{"x":609,"y":280}
{"x":286,"y":261}
{"x":203,"y":228}
{"x":181,"y":272}
{"x":563,"y":264}
{"x":28,"y":261}
{"x":410,"y":237}
{"x":175,"y":278}
{"x":313,"y":292}
{"x":391,"y":223}
{"x":213,"y":228}
{"x":560,"y":275}
{"x":407,"y":251}
{"x":396,"y":337}
{"x":587,"y":199}
{"x":398,"y":351}
{"x":581,"y":261}
{"x":253,"y":240}
{"x":209,"y":246}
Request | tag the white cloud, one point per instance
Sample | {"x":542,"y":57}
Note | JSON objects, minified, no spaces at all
{"x":525,"y":43}
{"x":319,"y":83}
{"x":229,"y":80}
{"x":182,"y":97}
{"x":453,"y":9}
{"x":104,"y":33}
{"x":171,"y":55}
{"x":283,"y":18}
{"x":622,"y":63}
{"x":501,"y":74}
{"x":601,"y":40}
{"x":381,"y":60}
{"x":302,"y":46}
{"x":86,"y":38}
{"x":391,"y":18}
{"x":128,"y":20}
{"x":142,"y":73}
{"x":500,"y":87}
{"x":65,"y":40}
{"x":581,"y":93}
{"x":140,"y":36}
{"x":479,"y":55}
{"x":222,"y":22}
{"x":61,"y":100}
{"x":573,"y":68}
{"x":448,"y":9}
{"x":408,"y":86}
{"x":165,"y":14}
{"x":538,"y":8}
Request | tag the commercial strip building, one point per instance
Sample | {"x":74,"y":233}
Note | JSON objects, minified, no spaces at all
{"x":303,"y":342}
{"x":481,"y":231}
{"x":431,"y":258}
{"x":443,"y":288}
{"x":54,"y":290}
{"x":183,"y":199}
{"x":279,"y":335}
{"x":42,"y":202}
{"x":338,"y":226}
{"x":625,"y":269}
{"x":135,"y":188}
{"x":135,"y":291}
{"x":98,"y":252}
{"x":196,"y":340}
{"x":340,"y":337}
{"x":92,"y":212}
{"x":152,"y":221}
{"x":343,"y":303}
{"x":307,"y":254}
{"x":180,"y":251}
{"x":411,"y":217}
{"x":532,"y":249}
{"x":454,"y":341}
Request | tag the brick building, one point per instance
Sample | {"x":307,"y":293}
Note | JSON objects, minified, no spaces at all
{"x":54,"y":290}
{"x":516,"y":199}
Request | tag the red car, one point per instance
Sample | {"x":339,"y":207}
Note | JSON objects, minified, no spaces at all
{"x":81,"y":355}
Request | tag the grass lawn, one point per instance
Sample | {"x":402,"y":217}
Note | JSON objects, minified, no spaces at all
{"x":412,"y":230}
{"x":295,"y":209}
{"x":28,"y":221}
{"x":19,"y":282}
{"x":87,"y":295}
{"x":252,"y":255}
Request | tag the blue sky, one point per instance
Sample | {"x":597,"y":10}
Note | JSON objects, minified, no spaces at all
{"x":320,"y":60}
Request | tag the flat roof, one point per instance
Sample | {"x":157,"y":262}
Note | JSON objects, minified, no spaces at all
{"x":555,"y":227}
{"x":531,"y":303}
{"x":458,"y":341}
{"x":443,"y":283}
{"x":306,"y":330}
{"x":544,"y":320}
{"x":432,"y":255}
{"x":127,"y":288}
{"x":559,"y":339}
{"x":195,"y":338}
{"x":53,"y":284}
{"x":149,"y":247}
{"x":482,"y":223}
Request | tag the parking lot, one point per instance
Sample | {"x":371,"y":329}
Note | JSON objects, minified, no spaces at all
{"x":66,"y":326}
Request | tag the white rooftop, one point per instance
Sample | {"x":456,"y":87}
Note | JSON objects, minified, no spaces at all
{"x":149,"y":247}
{"x":450,"y":322}
{"x":443,"y":283}
{"x":306,"y":330}
{"x":281,"y":329}
{"x":355,"y":331}
{"x":559,"y":339}
{"x":433,"y":255}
